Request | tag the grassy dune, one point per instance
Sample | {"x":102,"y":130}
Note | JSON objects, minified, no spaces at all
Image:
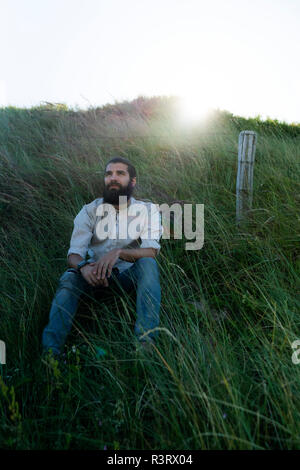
{"x":221,"y":376}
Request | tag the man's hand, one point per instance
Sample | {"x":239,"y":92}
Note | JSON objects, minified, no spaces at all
{"x":102,"y":269}
{"x":87,"y":273}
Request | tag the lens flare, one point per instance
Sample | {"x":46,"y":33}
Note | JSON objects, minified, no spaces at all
{"x":192,"y":110}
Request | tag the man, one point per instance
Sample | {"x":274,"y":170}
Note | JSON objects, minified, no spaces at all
{"x":113,"y":261}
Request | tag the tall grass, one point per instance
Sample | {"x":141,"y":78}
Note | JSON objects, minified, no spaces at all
{"x":221,"y":375}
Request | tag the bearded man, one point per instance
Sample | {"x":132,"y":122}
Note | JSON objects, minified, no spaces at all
{"x":100,"y":259}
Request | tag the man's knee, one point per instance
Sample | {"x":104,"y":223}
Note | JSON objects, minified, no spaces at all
{"x":148,"y":267}
{"x":147,"y":262}
{"x":69,"y":280}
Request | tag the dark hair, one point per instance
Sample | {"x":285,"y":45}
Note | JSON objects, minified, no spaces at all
{"x":131,"y":169}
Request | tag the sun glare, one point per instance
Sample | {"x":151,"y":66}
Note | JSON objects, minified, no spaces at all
{"x":192,"y":110}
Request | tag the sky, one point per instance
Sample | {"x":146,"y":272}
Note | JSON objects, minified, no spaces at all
{"x":238,"y":55}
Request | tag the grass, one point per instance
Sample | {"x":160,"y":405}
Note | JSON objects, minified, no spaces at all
{"x":221,"y":375}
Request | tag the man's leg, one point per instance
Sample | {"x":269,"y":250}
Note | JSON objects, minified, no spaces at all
{"x":64,"y":305}
{"x":144,"y":277}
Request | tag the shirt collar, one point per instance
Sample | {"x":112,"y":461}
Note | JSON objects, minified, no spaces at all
{"x":131,"y":201}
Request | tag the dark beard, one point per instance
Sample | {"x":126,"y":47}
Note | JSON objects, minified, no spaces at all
{"x":111,"y":196}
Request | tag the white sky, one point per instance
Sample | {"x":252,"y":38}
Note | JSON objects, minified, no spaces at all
{"x":239,"y":55}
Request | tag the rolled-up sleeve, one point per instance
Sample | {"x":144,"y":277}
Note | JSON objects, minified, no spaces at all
{"x":82,"y":234}
{"x":152,"y":230}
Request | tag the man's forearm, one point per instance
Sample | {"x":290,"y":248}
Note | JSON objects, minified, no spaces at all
{"x":132,"y":255}
{"x":73,"y":260}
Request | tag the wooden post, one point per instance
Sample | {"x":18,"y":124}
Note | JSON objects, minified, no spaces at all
{"x":244,"y":181}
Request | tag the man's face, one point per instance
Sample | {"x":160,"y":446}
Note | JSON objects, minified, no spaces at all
{"x":117,"y":183}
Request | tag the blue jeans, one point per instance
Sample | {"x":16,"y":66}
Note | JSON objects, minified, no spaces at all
{"x":143,"y":276}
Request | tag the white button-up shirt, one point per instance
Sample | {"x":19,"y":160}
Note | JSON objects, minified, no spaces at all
{"x":90,"y":238}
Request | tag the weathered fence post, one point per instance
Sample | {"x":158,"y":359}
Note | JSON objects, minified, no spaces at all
{"x":244,"y":181}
